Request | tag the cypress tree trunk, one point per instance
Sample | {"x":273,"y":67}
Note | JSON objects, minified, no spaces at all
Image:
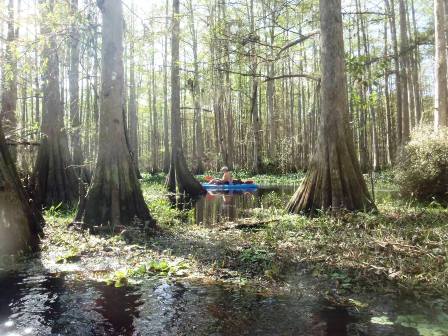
{"x":20,"y":223}
{"x":114,"y":197}
{"x":334,"y":180}
{"x":54,"y":178}
{"x":179,"y":173}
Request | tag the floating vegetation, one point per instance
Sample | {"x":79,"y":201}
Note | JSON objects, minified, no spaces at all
{"x":163,"y":267}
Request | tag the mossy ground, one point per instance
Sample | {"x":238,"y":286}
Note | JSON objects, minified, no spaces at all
{"x":400,"y":249}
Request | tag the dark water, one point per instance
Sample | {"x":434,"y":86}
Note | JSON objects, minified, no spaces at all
{"x":37,"y":303}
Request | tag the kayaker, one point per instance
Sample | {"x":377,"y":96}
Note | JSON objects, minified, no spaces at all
{"x":226,"y":177}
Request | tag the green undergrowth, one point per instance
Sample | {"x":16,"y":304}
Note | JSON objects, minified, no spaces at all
{"x":401,"y":248}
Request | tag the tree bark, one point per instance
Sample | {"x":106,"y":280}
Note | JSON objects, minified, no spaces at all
{"x":179,"y":173}
{"x":166,"y":135}
{"x":390,"y":6}
{"x":196,"y":95}
{"x":256,"y":157}
{"x":75,"y":116}
{"x":132,"y":107}
{"x":334,"y":180}
{"x":155,"y":131}
{"x":20,"y":223}
{"x":54,"y":178}
{"x":404,"y":60}
{"x":114,"y":197}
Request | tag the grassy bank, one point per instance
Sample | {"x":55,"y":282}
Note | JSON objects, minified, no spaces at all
{"x":402,"y":248}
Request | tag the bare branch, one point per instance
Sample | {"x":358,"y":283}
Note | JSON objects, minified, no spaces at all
{"x":301,"y":39}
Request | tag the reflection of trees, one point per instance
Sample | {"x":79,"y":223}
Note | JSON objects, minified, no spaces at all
{"x":119,"y":307}
{"x":217,"y":207}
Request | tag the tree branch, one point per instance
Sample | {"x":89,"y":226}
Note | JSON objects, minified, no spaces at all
{"x":301,"y":39}
{"x":317,"y":79}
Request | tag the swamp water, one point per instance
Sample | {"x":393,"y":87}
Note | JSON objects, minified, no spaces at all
{"x":36,"y":302}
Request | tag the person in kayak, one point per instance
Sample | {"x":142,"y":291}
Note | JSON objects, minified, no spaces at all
{"x":226,"y":178}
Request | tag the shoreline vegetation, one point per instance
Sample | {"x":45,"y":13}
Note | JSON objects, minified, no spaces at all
{"x":400,"y":250}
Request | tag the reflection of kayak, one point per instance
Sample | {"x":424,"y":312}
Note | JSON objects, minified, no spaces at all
{"x":242,"y":186}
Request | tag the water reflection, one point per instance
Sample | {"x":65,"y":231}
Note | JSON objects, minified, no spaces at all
{"x":36,"y":303}
{"x":218,"y":207}
{"x":52,"y":304}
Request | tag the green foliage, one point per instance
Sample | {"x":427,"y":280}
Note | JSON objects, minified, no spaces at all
{"x":422,"y":170}
{"x":72,"y":256}
{"x":163,"y":212}
{"x":257,"y":256}
{"x":153,"y":178}
{"x":162,"y":267}
{"x":59,"y":211}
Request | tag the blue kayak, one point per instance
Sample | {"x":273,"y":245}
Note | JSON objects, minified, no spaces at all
{"x":243,"y":186}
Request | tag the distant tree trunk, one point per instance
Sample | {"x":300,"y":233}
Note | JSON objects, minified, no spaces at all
{"x":390,"y":144}
{"x":54,"y":178}
{"x":75,"y":116}
{"x":404,"y":51}
{"x":416,"y":70}
{"x":166,"y":141}
{"x":132,"y":108}
{"x":393,"y":28}
{"x":20,"y":223}
{"x":96,"y":95}
{"x":230,"y":141}
{"x":155,"y":130}
{"x":9,"y":87}
{"x":334,"y":180}
{"x":114,"y":197}
{"x":196,"y":93}
{"x":256,"y":159}
{"x":179,"y":173}
{"x":441,"y":92}
{"x":37,"y":87}
{"x":362,"y":108}
{"x":255,"y":127}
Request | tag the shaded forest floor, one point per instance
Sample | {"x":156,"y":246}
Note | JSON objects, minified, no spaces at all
{"x":402,"y":249}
